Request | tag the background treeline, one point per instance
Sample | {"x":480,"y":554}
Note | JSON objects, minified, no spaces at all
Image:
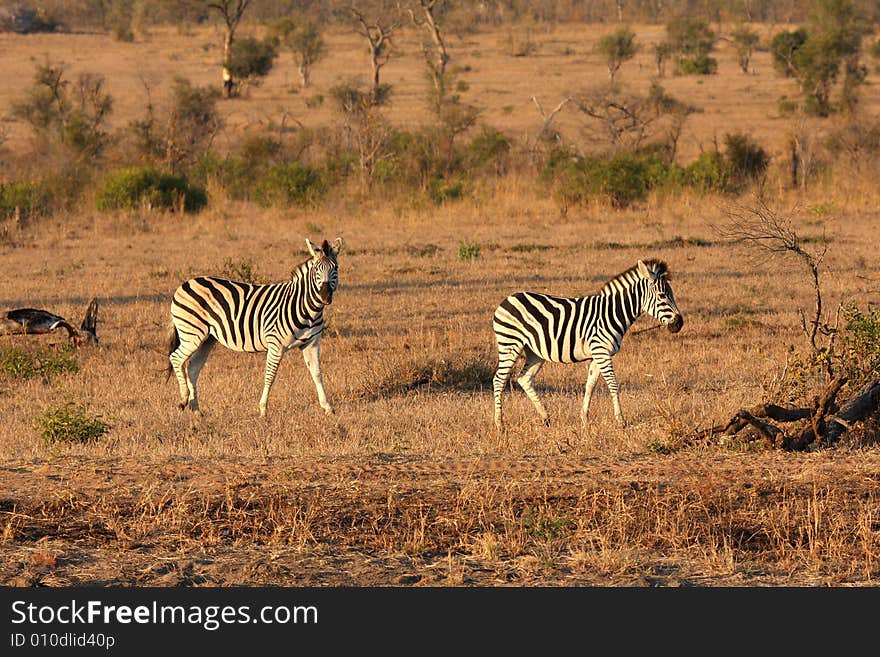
{"x":461,"y":15}
{"x":626,"y":147}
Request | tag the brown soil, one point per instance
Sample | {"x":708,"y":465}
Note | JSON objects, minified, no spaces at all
{"x":394,"y":520}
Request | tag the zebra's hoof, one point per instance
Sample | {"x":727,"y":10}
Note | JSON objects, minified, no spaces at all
{"x":182,"y":406}
{"x":328,"y":410}
{"x":546,"y":421}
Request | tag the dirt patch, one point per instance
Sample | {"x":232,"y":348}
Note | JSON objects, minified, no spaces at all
{"x":685,"y":519}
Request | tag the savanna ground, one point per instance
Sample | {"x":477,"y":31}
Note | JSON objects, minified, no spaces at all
{"x":408,"y":484}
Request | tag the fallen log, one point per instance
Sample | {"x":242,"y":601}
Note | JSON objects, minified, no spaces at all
{"x":822,"y":405}
{"x":863,"y":405}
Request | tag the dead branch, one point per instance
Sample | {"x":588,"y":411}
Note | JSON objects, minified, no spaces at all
{"x":762,"y":227}
{"x":865,"y":403}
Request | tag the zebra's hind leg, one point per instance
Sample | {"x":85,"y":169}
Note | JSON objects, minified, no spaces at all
{"x":179,"y":359}
{"x":507,"y":356}
{"x":194,"y":368}
{"x":526,"y":380}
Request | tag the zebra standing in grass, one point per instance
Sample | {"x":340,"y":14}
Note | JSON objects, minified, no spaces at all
{"x":273,"y":318}
{"x":570,"y":330}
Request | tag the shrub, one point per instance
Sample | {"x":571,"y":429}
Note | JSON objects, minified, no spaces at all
{"x":468,"y":250}
{"x":698,"y":65}
{"x":44,"y":362}
{"x":860,"y":348}
{"x":137,"y":187}
{"x":31,"y":199}
{"x":441,"y":189}
{"x":251,"y":58}
{"x":289,"y":184}
{"x":708,"y":173}
{"x":622,"y":179}
{"x":489,"y":150}
{"x":69,"y":424}
{"x":746,"y":159}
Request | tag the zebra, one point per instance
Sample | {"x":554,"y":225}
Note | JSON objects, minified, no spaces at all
{"x":576,"y":329}
{"x":272,"y":317}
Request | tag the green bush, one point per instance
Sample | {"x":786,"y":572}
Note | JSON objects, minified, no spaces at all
{"x":31,"y":199}
{"x":708,"y":173}
{"x":860,"y":346}
{"x":137,"y":187}
{"x":622,"y":179}
{"x":468,"y":250}
{"x":488,"y":151}
{"x":746,"y":159}
{"x":289,"y":184}
{"x":251,"y":58}
{"x":698,"y":65}
{"x":441,"y":189}
{"x":44,"y":362}
{"x":69,"y":424}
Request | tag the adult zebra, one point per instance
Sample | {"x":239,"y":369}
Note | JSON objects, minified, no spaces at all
{"x":273,"y":317}
{"x":575,"y":329}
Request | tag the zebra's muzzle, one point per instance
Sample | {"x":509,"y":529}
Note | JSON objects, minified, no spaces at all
{"x":675,"y":325}
{"x":325,"y":294}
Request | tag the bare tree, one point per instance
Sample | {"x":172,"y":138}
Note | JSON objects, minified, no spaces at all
{"x":624,"y":119}
{"x":760,"y":226}
{"x":378,"y":36}
{"x":232,"y":11}
{"x":436,"y":64}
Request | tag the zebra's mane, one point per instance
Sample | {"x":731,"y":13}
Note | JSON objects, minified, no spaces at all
{"x":629,"y":276}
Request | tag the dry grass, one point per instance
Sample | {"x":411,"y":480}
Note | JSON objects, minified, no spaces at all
{"x":407,"y":361}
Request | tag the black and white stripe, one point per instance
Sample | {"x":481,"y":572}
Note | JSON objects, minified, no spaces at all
{"x":273,"y":317}
{"x":576,"y":329}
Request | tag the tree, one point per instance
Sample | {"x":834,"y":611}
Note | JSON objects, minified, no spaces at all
{"x":437,"y":64}
{"x":816,"y":57}
{"x":75,"y":117}
{"x":745,"y":39}
{"x":231,"y":11}
{"x":184,"y":132}
{"x":782,"y":50}
{"x":692,"y":40}
{"x":378,"y":36}
{"x":302,"y":38}
{"x":250,"y":59}
{"x":616,"y":48}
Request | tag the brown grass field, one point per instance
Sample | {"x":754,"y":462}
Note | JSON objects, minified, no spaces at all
{"x":408,"y":484}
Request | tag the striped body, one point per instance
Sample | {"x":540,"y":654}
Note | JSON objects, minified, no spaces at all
{"x":577,"y":329}
{"x":271,"y":318}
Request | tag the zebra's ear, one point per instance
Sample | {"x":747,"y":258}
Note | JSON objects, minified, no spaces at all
{"x":337,"y":245}
{"x":644,"y":271}
{"x":313,"y":248}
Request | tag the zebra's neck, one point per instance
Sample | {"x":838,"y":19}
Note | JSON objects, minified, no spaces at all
{"x":302,"y":288}
{"x":622,"y":300}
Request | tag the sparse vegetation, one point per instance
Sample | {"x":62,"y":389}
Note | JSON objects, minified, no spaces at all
{"x":69,"y":424}
{"x":22,"y":363}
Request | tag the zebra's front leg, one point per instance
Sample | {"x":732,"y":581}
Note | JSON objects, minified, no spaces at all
{"x":273,"y":358}
{"x":592,"y":378}
{"x":312,"y":356}
{"x":607,"y":369}
{"x":526,"y":380}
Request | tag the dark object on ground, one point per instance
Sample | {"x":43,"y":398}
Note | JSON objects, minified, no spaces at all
{"x":32,"y":321}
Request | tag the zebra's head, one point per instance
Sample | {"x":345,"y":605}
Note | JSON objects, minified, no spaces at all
{"x":659,"y":302}
{"x":325,"y":277}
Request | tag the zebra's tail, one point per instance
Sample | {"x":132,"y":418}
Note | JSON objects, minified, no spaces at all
{"x":173,"y":343}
